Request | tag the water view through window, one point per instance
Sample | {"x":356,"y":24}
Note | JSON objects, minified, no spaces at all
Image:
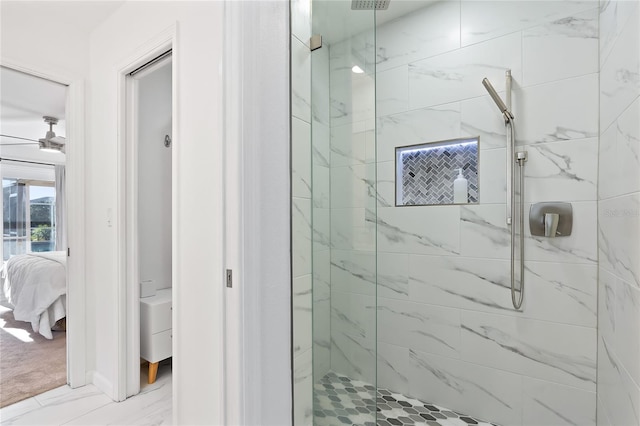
{"x":28,"y":217}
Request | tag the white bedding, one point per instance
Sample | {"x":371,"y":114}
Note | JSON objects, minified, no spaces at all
{"x":35,"y":287}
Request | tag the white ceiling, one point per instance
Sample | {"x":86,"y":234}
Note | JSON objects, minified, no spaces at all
{"x":335,"y":21}
{"x":25,"y":99}
{"x":81,"y":16}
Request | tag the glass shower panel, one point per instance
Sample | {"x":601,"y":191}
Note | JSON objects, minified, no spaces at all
{"x":412,"y":315}
{"x":343,"y":215}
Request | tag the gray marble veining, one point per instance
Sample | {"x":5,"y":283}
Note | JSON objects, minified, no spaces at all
{"x":526,"y":351}
{"x":453,"y":381}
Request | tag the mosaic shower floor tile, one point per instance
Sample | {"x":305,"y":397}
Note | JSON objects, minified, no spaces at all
{"x":338,"y":400}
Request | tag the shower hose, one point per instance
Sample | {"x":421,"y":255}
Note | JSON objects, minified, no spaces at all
{"x":516,"y":295}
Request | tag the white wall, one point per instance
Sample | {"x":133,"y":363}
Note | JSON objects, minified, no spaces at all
{"x":619,"y":215}
{"x":197,"y":128}
{"x":18,"y":170}
{"x":266,"y":219}
{"x":154,"y":176}
{"x":64,"y":51}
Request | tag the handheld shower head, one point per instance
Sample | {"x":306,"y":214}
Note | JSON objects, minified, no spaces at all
{"x":496,"y":98}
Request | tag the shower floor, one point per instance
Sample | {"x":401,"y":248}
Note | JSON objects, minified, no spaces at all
{"x":338,"y":400}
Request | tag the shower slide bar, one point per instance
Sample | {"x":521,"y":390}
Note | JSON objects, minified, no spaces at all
{"x":519,"y":157}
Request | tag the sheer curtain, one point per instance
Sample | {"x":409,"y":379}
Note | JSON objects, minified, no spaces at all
{"x":61,"y":209}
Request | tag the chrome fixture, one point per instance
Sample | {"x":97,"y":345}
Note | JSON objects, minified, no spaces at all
{"x":551,"y":224}
{"x":369,"y":4}
{"x":520,"y":157}
{"x":551,"y":219}
{"x":497,"y":99}
{"x":315,"y":42}
{"x":508,"y":121}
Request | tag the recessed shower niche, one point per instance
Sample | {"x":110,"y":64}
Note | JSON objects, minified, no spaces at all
{"x":443,"y":172}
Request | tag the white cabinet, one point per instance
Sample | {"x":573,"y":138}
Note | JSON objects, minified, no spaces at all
{"x":155,"y":329}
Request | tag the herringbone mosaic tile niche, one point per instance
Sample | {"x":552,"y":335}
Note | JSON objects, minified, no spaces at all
{"x":425,"y":173}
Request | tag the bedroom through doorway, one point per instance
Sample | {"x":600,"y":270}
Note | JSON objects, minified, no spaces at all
{"x":149,"y":159}
{"x":33,"y":294}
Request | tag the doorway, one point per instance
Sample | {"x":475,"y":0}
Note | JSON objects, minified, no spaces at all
{"x":149,"y":223}
{"x":33,"y":299}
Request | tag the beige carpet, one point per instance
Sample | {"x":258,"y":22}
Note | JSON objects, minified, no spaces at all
{"x":29,"y":363}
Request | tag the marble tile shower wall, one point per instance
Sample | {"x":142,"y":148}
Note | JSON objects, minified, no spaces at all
{"x":320,"y":157}
{"x":446,"y":330}
{"x":353,"y":207}
{"x":301,"y":208}
{"x":619,"y":215}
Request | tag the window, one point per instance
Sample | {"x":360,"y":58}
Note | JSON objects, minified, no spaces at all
{"x":28,"y":216}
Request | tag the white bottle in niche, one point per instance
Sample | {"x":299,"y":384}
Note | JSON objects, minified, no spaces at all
{"x":460,"y":189}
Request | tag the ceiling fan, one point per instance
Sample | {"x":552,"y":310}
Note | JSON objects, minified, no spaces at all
{"x":50,"y":143}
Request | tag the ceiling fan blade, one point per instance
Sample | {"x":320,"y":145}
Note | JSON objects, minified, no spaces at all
{"x":58,"y":139}
{"x":16,"y":144}
{"x":18,"y":137}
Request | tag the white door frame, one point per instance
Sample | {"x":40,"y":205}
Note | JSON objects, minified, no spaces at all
{"x":258,"y":371}
{"x":75,"y":165}
{"x":233,"y":238}
{"x":132,"y":230}
{"x":130,"y":227}
{"x":128,"y":293}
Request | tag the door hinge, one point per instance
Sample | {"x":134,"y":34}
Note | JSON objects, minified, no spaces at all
{"x":68,"y":252}
{"x":229,"y":278}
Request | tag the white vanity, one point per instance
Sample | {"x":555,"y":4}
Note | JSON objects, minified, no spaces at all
{"x":155,"y":329}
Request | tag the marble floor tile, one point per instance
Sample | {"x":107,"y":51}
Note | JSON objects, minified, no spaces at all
{"x":59,"y":406}
{"x":16,"y":410}
{"x":87,"y":405}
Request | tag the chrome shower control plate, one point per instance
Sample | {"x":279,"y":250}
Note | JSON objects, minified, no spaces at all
{"x":560,"y":213}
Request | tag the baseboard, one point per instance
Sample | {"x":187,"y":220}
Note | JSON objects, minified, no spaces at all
{"x":101,"y":383}
{"x":88,"y":377}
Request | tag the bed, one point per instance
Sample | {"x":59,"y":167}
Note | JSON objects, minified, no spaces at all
{"x":34,"y":285}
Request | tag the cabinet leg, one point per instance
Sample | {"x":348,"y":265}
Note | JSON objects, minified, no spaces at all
{"x":153,"y":371}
